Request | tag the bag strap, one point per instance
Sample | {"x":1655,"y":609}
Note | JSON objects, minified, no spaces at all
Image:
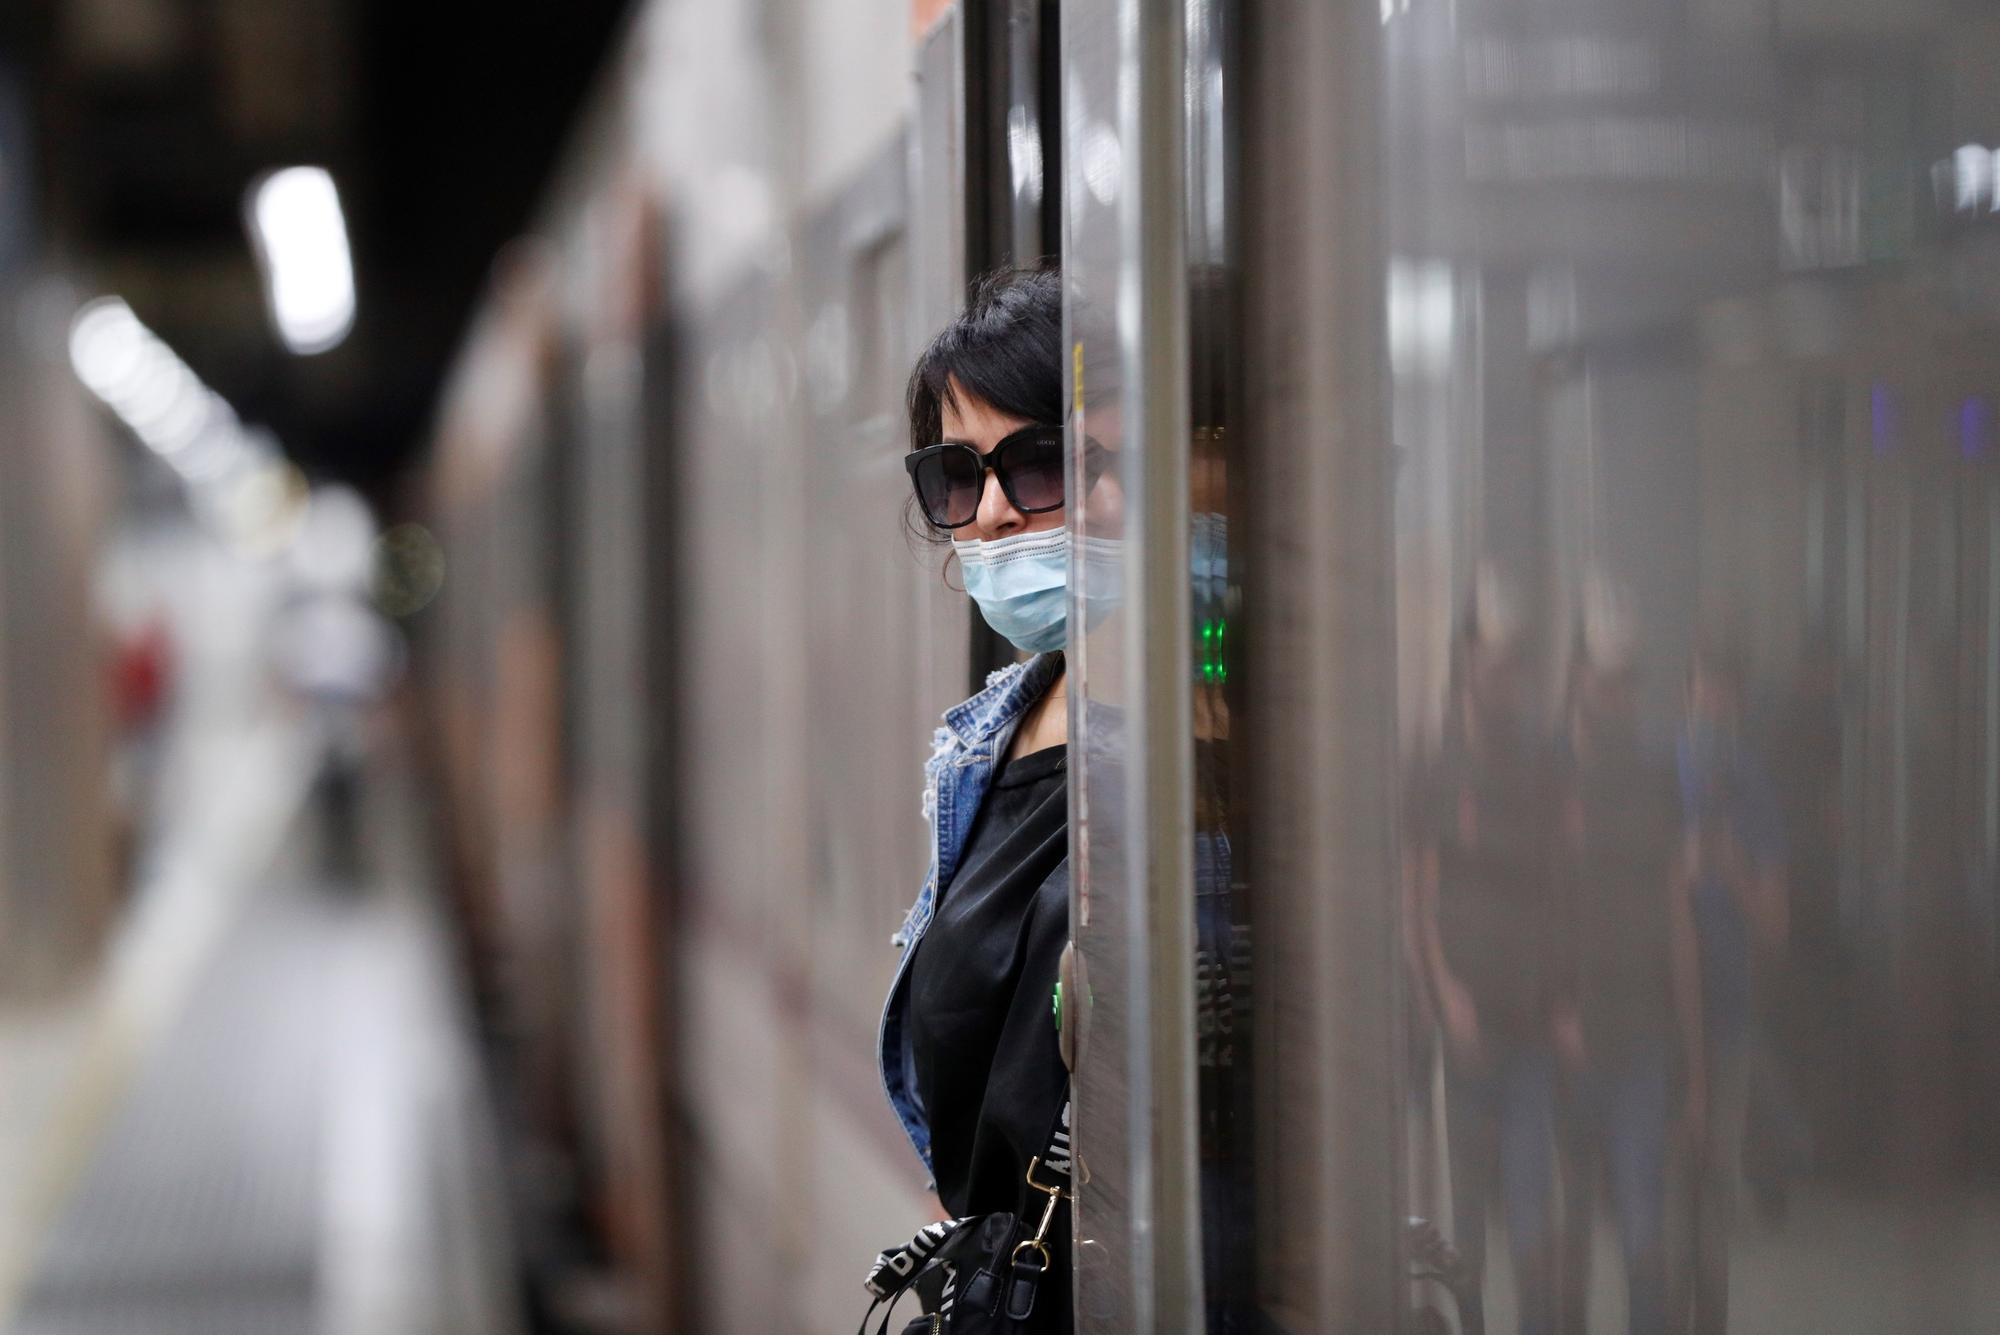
{"x":1056,"y":1162}
{"x":1049,"y":1173}
{"x":1029,"y":1259}
{"x":1056,"y":1156}
{"x":896,"y":1268}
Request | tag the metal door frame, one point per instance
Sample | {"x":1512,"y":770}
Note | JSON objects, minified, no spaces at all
{"x":1140,"y":994}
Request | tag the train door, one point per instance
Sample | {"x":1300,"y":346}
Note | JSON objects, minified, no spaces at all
{"x":1716,"y":438}
{"x":1552,"y":541}
{"x":1160,"y":903}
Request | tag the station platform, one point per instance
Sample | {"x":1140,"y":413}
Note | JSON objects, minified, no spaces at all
{"x":263,"y":1112}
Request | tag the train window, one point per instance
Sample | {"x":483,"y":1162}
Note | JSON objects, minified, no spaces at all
{"x":1013,"y":211}
{"x":1013,"y":176}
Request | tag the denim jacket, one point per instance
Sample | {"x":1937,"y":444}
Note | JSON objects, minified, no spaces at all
{"x":975,"y":736}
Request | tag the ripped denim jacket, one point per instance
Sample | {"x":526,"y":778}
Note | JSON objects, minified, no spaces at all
{"x":974,"y":737}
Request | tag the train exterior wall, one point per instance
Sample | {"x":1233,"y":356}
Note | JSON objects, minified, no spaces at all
{"x":695,"y":658}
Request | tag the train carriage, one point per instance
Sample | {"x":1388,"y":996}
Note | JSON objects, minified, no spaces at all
{"x":1643,"y":336}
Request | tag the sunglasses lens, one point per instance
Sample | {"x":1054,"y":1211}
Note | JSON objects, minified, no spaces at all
{"x":948,"y":486}
{"x":1034,"y":467}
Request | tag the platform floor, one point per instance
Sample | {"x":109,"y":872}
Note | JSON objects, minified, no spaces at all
{"x":304,"y":1146}
{"x":264,"y":1112}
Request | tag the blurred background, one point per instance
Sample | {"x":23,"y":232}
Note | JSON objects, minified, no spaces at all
{"x":242,"y":1087}
{"x":464,"y":673}
{"x":335,"y":812}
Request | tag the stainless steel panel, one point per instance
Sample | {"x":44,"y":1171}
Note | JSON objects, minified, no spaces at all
{"x":1318,"y":708}
{"x":1138,"y":1209}
{"x":1619,"y":431}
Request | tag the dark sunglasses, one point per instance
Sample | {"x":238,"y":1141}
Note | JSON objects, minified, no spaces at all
{"x":950,"y":478}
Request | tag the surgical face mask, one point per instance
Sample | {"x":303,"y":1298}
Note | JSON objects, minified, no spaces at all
{"x":1021,"y":584}
{"x":1208,"y":556}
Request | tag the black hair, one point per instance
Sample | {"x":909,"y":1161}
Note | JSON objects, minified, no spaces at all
{"x":1004,"y":349}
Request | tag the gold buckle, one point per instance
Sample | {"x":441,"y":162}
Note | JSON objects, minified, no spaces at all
{"x":1055,"y":1193}
{"x":1033,"y":1164}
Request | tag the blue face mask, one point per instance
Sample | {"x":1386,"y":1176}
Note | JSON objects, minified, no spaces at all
{"x":1021,"y":584}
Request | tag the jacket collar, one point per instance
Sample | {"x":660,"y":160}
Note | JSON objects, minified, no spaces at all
{"x":1007,"y":696}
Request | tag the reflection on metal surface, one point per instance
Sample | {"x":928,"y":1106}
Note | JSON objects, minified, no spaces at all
{"x":1699,"y":905}
{"x":1619,"y":727}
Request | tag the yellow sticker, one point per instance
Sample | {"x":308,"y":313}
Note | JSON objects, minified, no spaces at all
{"x":1076,"y":378}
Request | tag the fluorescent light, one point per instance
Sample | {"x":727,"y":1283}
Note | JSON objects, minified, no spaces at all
{"x":152,"y":390}
{"x":301,"y":243}
{"x":236,"y":477}
{"x":106,"y":345}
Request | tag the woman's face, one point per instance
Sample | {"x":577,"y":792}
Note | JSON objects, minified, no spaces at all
{"x":971,"y":421}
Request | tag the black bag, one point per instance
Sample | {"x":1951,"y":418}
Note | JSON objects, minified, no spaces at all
{"x":980,"y":1275}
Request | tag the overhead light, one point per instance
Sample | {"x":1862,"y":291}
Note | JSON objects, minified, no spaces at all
{"x":152,"y":390}
{"x":236,"y":478}
{"x":109,"y":347}
{"x":156,"y":395}
{"x":301,"y":242}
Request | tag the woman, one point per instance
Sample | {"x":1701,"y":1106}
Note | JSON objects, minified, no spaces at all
{"x":969,"y":1047}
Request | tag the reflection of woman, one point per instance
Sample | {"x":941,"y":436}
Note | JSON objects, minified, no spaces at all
{"x":1632,"y":981}
{"x":969,"y":1051}
{"x":1481,"y":917}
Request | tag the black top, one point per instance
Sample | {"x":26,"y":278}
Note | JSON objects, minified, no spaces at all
{"x":982,"y":1026}
{"x":1490,"y":815}
{"x":1626,"y":817}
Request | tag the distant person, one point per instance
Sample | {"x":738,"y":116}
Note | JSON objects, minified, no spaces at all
{"x":1629,"y":1023}
{"x":1735,"y":839}
{"x":142,"y":673}
{"x":1484,"y":913}
{"x":340,"y":657}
